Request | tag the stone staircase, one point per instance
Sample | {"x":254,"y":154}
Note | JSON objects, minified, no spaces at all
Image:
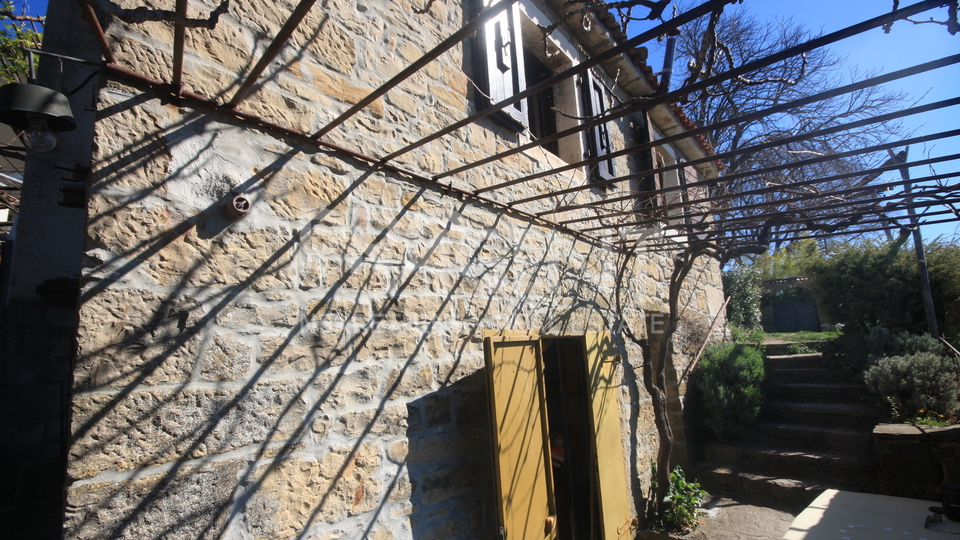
{"x":814,"y":433}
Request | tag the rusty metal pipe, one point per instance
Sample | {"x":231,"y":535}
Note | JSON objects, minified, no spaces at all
{"x":273,"y":50}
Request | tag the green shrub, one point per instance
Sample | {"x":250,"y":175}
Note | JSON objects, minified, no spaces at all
{"x":800,"y":348}
{"x":684,"y":498}
{"x":748,"y":336}
{"x":855,"y":351}
{"x":916,"y":384}
{"x":730,"y":380}
{"x":870,"y":283}
{"x":742,"y":285}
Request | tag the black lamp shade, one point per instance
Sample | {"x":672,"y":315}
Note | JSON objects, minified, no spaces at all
{"x":18,"y":102}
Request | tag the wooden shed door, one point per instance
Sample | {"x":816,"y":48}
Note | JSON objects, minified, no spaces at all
{"x":611,"y":469}
{"x":521,"y":439}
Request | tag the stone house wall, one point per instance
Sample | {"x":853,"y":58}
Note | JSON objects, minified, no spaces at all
{"x":315,"y":369}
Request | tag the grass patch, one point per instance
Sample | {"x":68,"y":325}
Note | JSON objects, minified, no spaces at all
{"x":798,"y":337}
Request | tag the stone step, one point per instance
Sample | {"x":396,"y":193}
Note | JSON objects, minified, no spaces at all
{"x":841,"y":415}
{"x":771,"y":490}
{"x":818,"y":392}
{"x":810,"y":375}
{"x":809,"y":465}
{"x":853,"y":442}
{"x":776,"y":349}
{"x":795,"y":361}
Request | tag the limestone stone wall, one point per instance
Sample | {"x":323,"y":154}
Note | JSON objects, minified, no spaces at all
{"x":315,"y":369}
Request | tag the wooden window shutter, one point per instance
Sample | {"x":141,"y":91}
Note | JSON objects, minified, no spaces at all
{"x":500,"y":65}
{"x":598,"y":137}
{"x":521,"y":437}
{"x":611,"y":467}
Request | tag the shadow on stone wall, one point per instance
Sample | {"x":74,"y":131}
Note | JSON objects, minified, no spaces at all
{"x":254,"y":385}
{"x":449,"y":463}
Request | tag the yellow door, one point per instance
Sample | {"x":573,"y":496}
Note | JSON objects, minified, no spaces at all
{"x":521,"y":438}
{"x":611,"y":469}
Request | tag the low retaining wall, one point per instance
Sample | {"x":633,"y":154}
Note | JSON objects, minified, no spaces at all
{"x":917,"y":461}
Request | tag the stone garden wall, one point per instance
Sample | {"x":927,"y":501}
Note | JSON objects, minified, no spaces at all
{"x":315,"y":368}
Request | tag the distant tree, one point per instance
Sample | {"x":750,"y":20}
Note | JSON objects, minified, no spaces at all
{"x":742,"y":284}
{"x":788,"y":261}
{"x":715,"y":45}
{"x":19,"y":30}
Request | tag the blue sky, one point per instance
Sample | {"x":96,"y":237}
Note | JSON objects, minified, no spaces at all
{"x":906,"y":45}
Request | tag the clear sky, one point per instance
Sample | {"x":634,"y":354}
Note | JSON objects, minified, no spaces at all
{"x":906,"y":45}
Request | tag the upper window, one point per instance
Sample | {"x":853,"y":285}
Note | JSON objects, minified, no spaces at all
{"x":512,"y":56}
{"x":594,"y":97}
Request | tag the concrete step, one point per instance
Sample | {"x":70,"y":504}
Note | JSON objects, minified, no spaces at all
{"x":859,"y":416}
{"x":816,"y":392}
{"x":810,"y":375}
{"x":795,"y":361}
{"x":853,"y":442}
{"x":808,"y":465}
{"x":769,"y":489}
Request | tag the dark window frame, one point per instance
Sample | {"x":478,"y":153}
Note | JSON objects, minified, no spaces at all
{"x":593,"y":97}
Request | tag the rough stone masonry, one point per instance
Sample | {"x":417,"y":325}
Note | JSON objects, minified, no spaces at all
{"x":315,"y":369}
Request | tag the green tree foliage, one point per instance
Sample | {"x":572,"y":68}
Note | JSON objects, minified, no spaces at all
{"x":788,"y":261}
{"x":742,"y":285}
{"x":730,"y":380}
{"x":874,"y":283}
{"x":16,"y":35}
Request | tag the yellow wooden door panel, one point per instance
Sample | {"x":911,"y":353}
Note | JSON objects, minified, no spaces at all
{"x":518,"y":410}
{"x":611,"y":469}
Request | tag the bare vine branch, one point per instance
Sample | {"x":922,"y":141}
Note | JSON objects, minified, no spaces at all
{"x":142,"y":14}
{"x":7,"y":14}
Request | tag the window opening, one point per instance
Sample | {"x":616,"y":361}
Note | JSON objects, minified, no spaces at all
{"x":540,"y":106}
{"x":643,"y":161}
{"x":594,"y":97}
{"x":500,"y":65}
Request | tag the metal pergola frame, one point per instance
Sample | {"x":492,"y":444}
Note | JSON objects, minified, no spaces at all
{"x":715,"y":219}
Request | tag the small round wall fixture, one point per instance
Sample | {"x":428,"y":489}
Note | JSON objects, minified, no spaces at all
{"x":38,"y":111}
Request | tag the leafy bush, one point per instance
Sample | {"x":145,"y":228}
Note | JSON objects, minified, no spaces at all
{"x":916,"y":383}
{"x":872,"y":283}
{"x":854,"y":352}
{"x":685,"y":498}
{"x":800,"y":348}
{"x":748,"y":336}
{"x":742,"y":285}
{"x":730,"y":379}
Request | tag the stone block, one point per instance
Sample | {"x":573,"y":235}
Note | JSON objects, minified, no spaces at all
{"x":310,"y":194}
{"x":143,"y":339}
{"x":146,"y":428}
{"x":392,"y":420}
{"x":343,"y":390}
{"x":409,"y":381}
{"x":225,"y":359}
{"x":296,"y":492}
{"x":188,"y":503}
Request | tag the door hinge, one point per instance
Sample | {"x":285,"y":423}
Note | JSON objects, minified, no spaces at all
{"x":503,"y":534}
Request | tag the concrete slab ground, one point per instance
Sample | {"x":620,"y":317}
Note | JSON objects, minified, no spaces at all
{"x":729,"y":519}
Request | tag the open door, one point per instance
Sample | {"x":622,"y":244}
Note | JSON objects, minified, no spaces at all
{"x":605,"y":404}
{"x":521,"y":438}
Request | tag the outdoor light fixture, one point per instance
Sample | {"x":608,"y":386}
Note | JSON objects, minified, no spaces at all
{"x":37,"y":111}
